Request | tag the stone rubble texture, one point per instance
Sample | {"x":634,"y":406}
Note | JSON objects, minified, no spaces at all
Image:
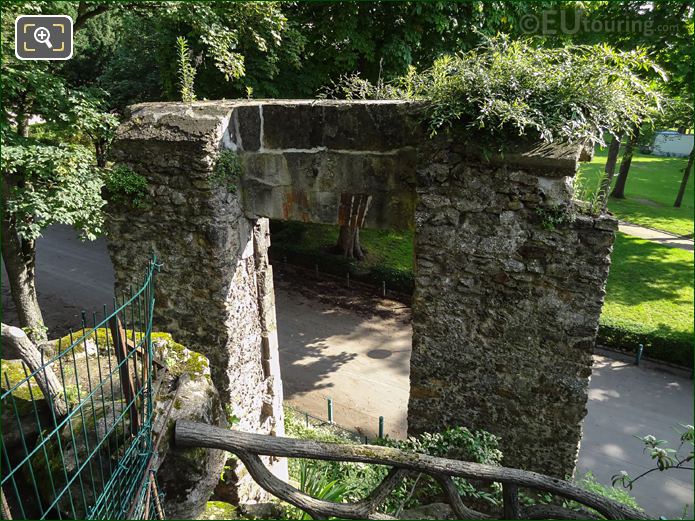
{"x":505,"y":309}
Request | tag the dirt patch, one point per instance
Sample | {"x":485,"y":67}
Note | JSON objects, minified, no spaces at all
{"x":359,"y":298}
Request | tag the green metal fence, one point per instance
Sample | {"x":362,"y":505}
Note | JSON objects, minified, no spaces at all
{"x":95,"y":460}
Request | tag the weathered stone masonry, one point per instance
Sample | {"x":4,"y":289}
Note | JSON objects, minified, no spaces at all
{"x":506,"y":306}
{"x":505,"y":309}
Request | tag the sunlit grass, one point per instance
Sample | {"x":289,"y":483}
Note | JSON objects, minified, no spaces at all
{"x":650,"y":192}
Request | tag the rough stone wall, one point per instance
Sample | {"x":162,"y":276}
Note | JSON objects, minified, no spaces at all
{"x":506,"y":305}
{"x":214,"y":291}
{"x":505,"y":309}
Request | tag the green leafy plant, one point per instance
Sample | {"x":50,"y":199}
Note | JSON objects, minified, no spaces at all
{"x":664,"y":456}
{"x":589,"y":482}
{"x":555,"y":216}
{"x":227,"y":171}
{"x":186,"y":71}
{"x":455,"y":443}
{"x":124,"y":186}
{"x":360,"y":479}
{"x":502,"y":88}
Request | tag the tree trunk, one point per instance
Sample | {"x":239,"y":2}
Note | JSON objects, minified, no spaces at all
{"x":611,"y":160}
{"x":684,"y":182}
{"x":19,"y":257}
{"x":619,"y":188}
{"x":349,"y":242}
{"x":16,"y":345}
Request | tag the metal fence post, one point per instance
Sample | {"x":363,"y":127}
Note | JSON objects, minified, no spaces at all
{"x":330,"y":410}
{"x":638,"y":354}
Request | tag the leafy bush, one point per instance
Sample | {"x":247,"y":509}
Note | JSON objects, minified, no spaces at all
{"x":588,"y":482}
{"x":516,"y":88}
{"x":675,"y":347}
{"x":358,"y":479}
{"x":573,"y":93}
{"x":125,"y":186}
{"x":454,"y":443}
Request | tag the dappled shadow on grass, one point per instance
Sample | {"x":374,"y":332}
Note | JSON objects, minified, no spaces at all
{"x":643,"y":271}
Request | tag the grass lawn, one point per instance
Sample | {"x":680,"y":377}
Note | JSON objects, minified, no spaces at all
{"x":649,"y":297}
{"x":652,"y":185}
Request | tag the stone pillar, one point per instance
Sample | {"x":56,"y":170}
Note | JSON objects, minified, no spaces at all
{"x":509,"y":289}
{"x":214,"y":292}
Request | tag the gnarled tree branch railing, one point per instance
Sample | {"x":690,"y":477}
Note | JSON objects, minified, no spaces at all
{"x":248,"y":447}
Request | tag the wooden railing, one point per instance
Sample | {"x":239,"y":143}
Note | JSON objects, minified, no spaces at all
{"x":248,"y":447}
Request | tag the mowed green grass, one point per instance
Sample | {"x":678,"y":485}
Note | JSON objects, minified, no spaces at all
{"x":650,"y":287}
{"x":382,"y":247}
{"x":651,"y":189}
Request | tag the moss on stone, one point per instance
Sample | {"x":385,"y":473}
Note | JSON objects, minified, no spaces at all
{"x":12,"y":371}
{"x":178,"y":358}
{"x":219,"y":510}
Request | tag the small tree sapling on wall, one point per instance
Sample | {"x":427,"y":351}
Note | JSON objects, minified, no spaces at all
{"x":186,"y":70}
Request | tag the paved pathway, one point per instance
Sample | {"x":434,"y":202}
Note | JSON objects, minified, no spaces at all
{"x":361,"y":361}
{"x":683,"y":242}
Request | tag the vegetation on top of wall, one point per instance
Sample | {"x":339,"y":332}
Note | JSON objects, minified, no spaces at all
{"x":186,"y":70}
{"x":503,"y":88}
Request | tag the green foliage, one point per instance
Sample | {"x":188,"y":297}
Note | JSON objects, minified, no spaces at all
{"x":186,"y":71}
{"x":663,"y":456}
{"x":52,"y":184}
{"x":125,"y":186}
{"x":357,"y":480}
{"x":317,"y":482}
{"x":454,"y":443}
{"x":589,"y":482}
{"x":649,"y":300}
{"x":227,"y":171}
{"x":553,"y":217}
{"x":650,"y":193}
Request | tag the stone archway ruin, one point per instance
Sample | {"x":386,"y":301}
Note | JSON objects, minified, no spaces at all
{"x":508,"y":291}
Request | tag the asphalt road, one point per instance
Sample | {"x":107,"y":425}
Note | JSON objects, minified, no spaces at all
{"x":360,"y":360}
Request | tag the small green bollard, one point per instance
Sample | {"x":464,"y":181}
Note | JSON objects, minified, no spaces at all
{"x":381,"y":427}
{"x":638,"y":354}
{"x":306,"y":419}
{"x":330,"y":410}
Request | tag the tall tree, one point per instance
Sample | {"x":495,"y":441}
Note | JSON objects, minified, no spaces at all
{"x":609,"y":171}
{"x":684,"y":181}
{"x":48,"y":175}
{"x":619,"y":188}
{"x":53,"y":172}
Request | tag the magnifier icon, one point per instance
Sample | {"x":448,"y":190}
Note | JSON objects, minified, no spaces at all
{"x":43,"y":35}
